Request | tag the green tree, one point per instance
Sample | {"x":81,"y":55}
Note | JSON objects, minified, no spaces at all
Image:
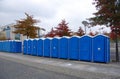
{"x":108,"y":14}
{"x":27,"y":26}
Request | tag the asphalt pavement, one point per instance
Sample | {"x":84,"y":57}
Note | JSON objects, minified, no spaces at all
{"x":18,"y":66}
{"x":13,"y":70}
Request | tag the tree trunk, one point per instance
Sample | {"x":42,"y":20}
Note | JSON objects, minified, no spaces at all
{"x":117,"y":52}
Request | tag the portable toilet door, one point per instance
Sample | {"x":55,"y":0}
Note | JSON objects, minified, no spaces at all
{"x":47,"y":47}
{"x":63,"y":45}
{"x":34,"y":48}
{"x":18,"y":46}
{"x":25,"y":47}
{"x":8,"y":46}
{"x":85,"y":48}
{"x":0,"y":46}
{"x":29,"y":47}
{"x":99,"y":49}
{"x":74,"y":48}
{"x":54,"y":47}
{"x":40,"y":47}
{"x":11,"y":46}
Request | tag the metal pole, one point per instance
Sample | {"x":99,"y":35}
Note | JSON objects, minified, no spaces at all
{"x":116,"y":41}
{"x":85,"y":29}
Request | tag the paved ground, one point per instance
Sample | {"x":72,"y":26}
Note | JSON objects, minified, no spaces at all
{"x":13,"y":70}
{"x":113,"y":54}
{"x":71,"y":69}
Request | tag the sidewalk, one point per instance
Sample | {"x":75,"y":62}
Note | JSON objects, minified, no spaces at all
{"x":87,"y":70}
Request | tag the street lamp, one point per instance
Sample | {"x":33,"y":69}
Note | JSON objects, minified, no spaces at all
{"x":85,"y":23}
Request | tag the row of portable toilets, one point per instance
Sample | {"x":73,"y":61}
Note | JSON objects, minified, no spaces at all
{"x":11,"y":46}
{"x":85,"y":48}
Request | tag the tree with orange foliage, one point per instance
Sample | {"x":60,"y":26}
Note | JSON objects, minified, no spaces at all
{"x":27,"y":26}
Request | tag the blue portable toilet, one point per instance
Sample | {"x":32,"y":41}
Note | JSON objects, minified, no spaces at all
{"x":74,"y":48}
{"x":34,"y":47}
{"x":55,"y":47}
{"x":47,"y":47}
{"x":5,"y":46}
{"x":0,"y":46}
{"x":14,"y":46}
{"x":85,"y":48}
{"x":63,"y":47}
{"x":25,"y":46}
{"x":29,"y":47}
{"x":40,"y":46}
{"x":11,"y":46}
{"x":101,"y":49}
{"x":8,"y":46}
{"x":18,"y":46}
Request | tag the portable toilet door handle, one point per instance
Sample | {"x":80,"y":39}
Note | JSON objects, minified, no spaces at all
{"x":99,"y":49}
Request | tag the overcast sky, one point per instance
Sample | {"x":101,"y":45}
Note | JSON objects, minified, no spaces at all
{"x":49,"y":12}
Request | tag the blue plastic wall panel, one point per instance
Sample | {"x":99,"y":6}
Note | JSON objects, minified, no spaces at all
{"x":34,"y":51}
{"x":47,"y":47}
{"x":29,"y":47}
{"x":85,"y":48}
{"x":63,"y":51}
{"x":74,"y":48}
{"x":107,"y":47}
{"x":40,"y":47}
{"x":99,"y":49}
{"x":25,"y":46}
{"x":54,"y":47}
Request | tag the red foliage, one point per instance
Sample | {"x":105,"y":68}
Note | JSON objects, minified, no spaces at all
{"x":80,"y":32}
{"x":112,"y":36}
{"x":62,"y":29}
{"x":52,"y":33}
{"x":91,"y":34}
